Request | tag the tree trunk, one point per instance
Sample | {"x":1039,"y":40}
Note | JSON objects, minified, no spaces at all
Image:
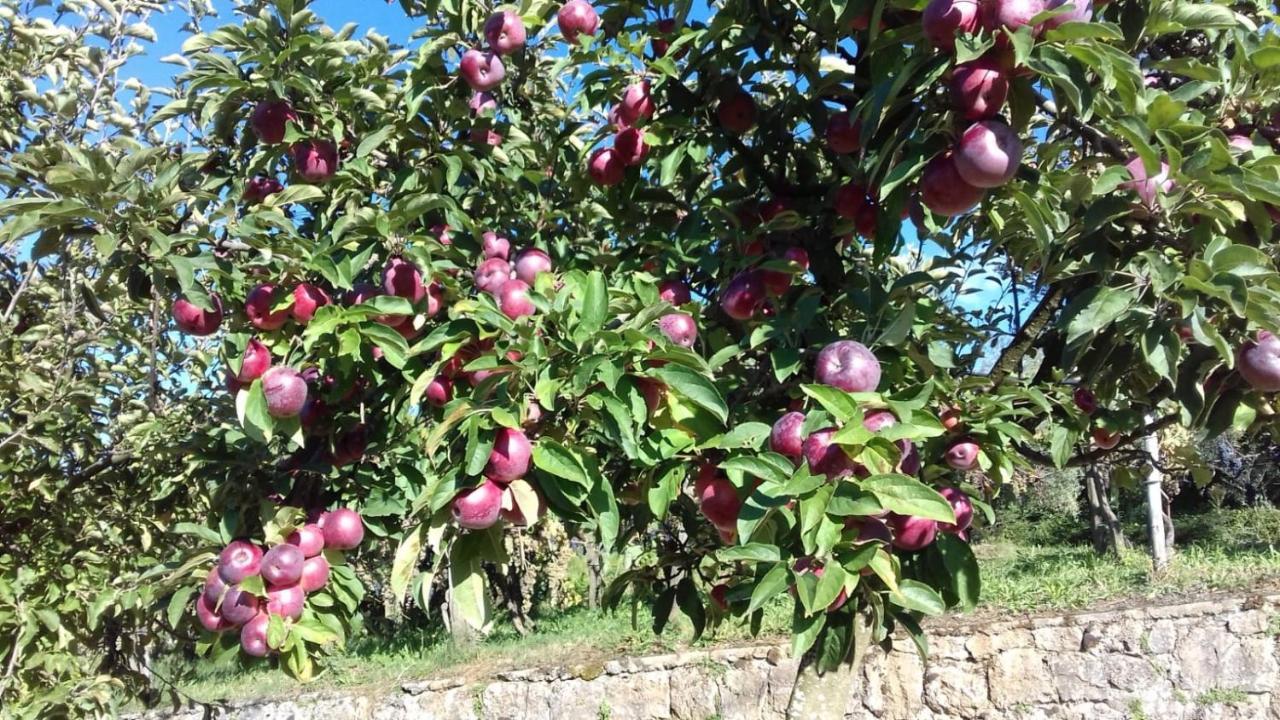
{"x":1107,"y":533}
{"x":594,"y":575}
{"x":827,"y":696}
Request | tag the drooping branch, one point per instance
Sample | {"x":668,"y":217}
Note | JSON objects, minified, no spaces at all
{"x":1026,"y":335}
{"x":1120,"y":448}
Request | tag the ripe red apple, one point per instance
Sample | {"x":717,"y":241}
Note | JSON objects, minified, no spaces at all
{"x":253,"y":636}
{"x":577,"y":17}
{"x":962,"y":454}
{"x":679,"y":328}
{"x":239,"y":560}
{"x":213,"y":588}
{"x":482,"y":70}
{"x":209,"y":618}
{"x":1077,"y":11}
{"x":260,"y":188}
{"x":630,"y":147}
{"x":194,"y":321}
{"x":728,"y":535}
{"x":513,"y":299}
{"x":492,"y":275}
{"x":511,"y":512}
{"x":980,"y":87}
{"x":509,"y":458}
{"x":315,"y":160}
{"x":307,"y":298}
{"x":661,"y":42}
{"x":1259,"y":362}
{"x":606,"y":167}
{"x":871,"y":529}
{"x":479,"y":103}
{"x":720,"y":597}
{"x":350,"y":446}
{"x":843,"y":135}
{"x":944,"y":191}
{"x":1010,"y":14}
{"x":238,"y":607}
{"x":282,"y":564}
{"x":315,"y":573}
{"x":851,"y":200}
{"x":944,"y":19}
{"x":674,"y":292}
{"x":719,"y":502}
{"x":530,"y":263}
{"x":343,"y":529}
{"x":636,"y":103}
{"x":737,"y":112}
{"x":950,"y":418}
{"x":402,"y":278}
{"x":286,"y":391}
{"x":309,"y":539}
{"x":744,"y":295}
{"x":270,"y":118}
{"x":1085,"y":400}
{"x":504,"y":31}
{"x":988,"y":154}
{"x":963,"y":508}
{"x":654,"y":393}
{"x":1147,"y":188}
{"x":258,"y":304}
{"x":439,"y":391}
{"x":286,"y":600}
{"x":911,"y":533}
{"x":435,"y":298}
{"x":787,"y":435}
{"x":255,"y":361}
{"x":1104,"y":438}
{"x":495,"y":245}
{"x":827,"y":458}
{"x":848,"y":365}
{"x":479,"y":507}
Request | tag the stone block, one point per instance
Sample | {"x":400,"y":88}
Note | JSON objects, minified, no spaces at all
{"x":1018,"y":677}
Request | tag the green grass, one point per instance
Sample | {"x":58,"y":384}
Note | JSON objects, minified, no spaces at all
{"x":1221,"y":696}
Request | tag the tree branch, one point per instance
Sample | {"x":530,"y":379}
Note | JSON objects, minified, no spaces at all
{"x":1097,"y":454}
{"x":1086,"y":131}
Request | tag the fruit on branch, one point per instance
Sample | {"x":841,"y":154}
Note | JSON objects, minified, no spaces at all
{"x":849,"y":366}
{"x":439,"y":391}
{"x":720,"y":597}
{"x":988,"y":154}
{"x":315,"y":160}
{"x":492,"y":274}
{"x":307,"y":298}
{"x":530,"y":263}
{"x":1104,"y":438}
{"x":674,"y":292}
{"x":1085,"y":400}
{"x":577,"y":17}
{"x":653,"y":392}
{"x":253,"y":636}
{"x":282,"y":564}
{"x":260,"y":188}
{"x":962,"y":454}
{"x":1010,"y":15}
{"x":980,"y":87}
{"x":238,"y":606}
{"x":309,"y":539}
{"x":944,"y":19}
{"x":504,"y":31}
{"x":314,"y":413}
{"x":909,"y":460}
{"x":1076,"y":11}
{"x":286,"y":600}
{"x":1240,"y":141}
{"x":944,"y":191}
{"x":315,"y":573}
{"x":238,"y":560}
{"x":480,"y":102}
{"x":532,"y":414}
{"x":962,"y":506}
{"x":258,"y":304}
{"x":402,"y":278}
{"x":1147,"y":187}
{"x":482,"y":70}
{"x":270,"y":119}
{"x":606,"y":167}
{"x":950,"y":418}
{"x":350,"y":446}
{"x":343,"y":529}
{"x":808,"y":565}
{"x":209,"y":618}
{"x":478,"y":508}
{"x":629,"y":146}
{"x":736,"y":112}
{"x":513,"y":299}
{"x":495,"y":245}
{"x":853,"y":202}
{"x":744,"y":295}
{"x":871,"y":529}
{"x":827,"y":458}
{"x":911,"y":533}
{"x":719,"y":502}
{"x":772,"y":209}
{"x":194,"y":321}
{"x":787,"y":435}
{"x":661,"y":42}
{"x":636,"y":103}
{"x":511,"y":512}
{"x":255,"y":361}
{"x":509,"y":458}
{"x":286,"y":391}
{"x":844,"y":136}
{"x":679,"y":328}
{"x":214,"y":586}
{"x":1258,"y":362}
{"x":435,"y":299}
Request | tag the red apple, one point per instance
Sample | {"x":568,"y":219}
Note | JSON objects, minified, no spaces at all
{"x":843,"y":135}
{"x":661,"y":42}
{"x":255,"y":361}
{"x":350,"y":446}
{"x":744,"y":295}
{"x":1104,"y":438}
{"x":606,"y":167}
{"x":848,"y":365}
{"x":737,"y":112}
{"x":827,"y":458}
{"x":513,"y":299}
{"x":679,"y":328}
{"x":494,"y":245}
{"x":629,"y":146}
{"x":286,"y":391}
{"x":1147,"y":188}
{"x":963,"y":508}
{"x":720,"y":597}
{"x":260,"y":188}
{"x":636,"y":103}
{"x":509,"y":458}
{"x":286,"y":600}
{"x":674,"y":292}
{"x":962,"y":454}
{"x":492,"y":275}
{"x":479,"y":103}
{"x":530,"y":263}
{"x":439,"y":391}
{"x":787,"y":436}
{"x":435,"y":299}
{"x":1259,"y":362}
{"x":577,"y":17}
{"x":213,"y":588}
{"x":238,"y":607}
{"x":479,"y":507}
{"x":511,"y":512}
{"x":315,"y":160}
{"x":911,"y":533}
{"x":950,"y":418}
{"x":482,"y":70}
{"x":1010,"y":14}
{"x":253,"y":636}
{"x":980,"y":87}
{"x":270,"y":118}
{"x":944,"y":191}
{"x":944,"y":19}
{"x":402,"y":278}
{"x":1085,"y":400}
{"x":307,"y":298}
{"x":654,"y":393}
{"x":343,"y":529}
{"x":209,"y":618}
{"x":194,"y":321}
{"x":1076,"y":11}
{"x":309,"y":539}
{"x":315,"y":573}
{"x":504,"y":31}
{"x":258,"y":306}
{"x":871,"y":529}
{"x":239,"y":560}
{"x":988,"y":154}
{"x":282,"y":564}
{"x":719,"y":502}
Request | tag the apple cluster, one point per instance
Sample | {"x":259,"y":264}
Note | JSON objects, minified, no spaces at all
{"x":480,"y":507}
{"x":249,"y":585}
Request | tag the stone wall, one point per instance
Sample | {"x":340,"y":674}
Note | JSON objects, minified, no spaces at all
{"x":1216,"y":658}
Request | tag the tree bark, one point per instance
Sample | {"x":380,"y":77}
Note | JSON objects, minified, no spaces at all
{"x":827,"y":696}
{"x":1107,"y":533}
{"x":595,"y":572}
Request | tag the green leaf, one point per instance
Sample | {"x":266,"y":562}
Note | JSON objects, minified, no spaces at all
{"x":805,"y":630}
{"x":1093,"y":310}
{"x":551,"y":457}
{"x":772,"y":583}
{"x":178,"y":605}
{"x":907,"y":496}
{"x":695,"y":387}
{"x":466,"y":580}
{"x":757,"y":552}
{"x":406,"y":562}
{"x":915,"y":595}
{"x":835,"y":401}
{"x":962,"y":566}
{"x":394,"y":347}
{"x":595,"y":305}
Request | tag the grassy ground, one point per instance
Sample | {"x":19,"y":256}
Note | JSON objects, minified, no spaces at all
{"x":1023,"y":570}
